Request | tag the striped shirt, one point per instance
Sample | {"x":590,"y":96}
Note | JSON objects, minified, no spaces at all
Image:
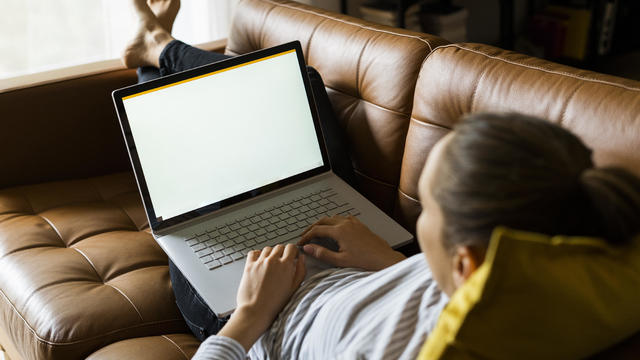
{"x":348,"y":314}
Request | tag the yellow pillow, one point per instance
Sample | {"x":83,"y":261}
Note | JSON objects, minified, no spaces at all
{"x":540,"y":297}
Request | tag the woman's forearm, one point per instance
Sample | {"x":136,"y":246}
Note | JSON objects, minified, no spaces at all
{"x":245,"y":326}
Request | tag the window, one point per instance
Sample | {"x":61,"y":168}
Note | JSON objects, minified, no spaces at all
{"x":42,"y":35}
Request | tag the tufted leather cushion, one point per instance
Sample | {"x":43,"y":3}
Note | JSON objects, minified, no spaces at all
{"x":78,"y":270}
{"x":166,"y":347}
{"x":604,"y":111}
{"x":369,"y":70}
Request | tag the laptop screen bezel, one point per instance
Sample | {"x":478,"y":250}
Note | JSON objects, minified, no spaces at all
{"x":157,"y":223}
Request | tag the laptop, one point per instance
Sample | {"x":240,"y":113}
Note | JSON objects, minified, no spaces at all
{"x":229,"y":157}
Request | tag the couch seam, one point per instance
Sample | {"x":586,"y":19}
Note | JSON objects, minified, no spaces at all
{"x":54,"y":229}
{"x":475,"y":88}
{"x":99,"y":232}
{"x":40,"y":339}
{"x":349,"y":113}
{"x":408,"y":196}
{"x":28,"y":298}
{"x":374,"y":179}
{"x":24,"y":194}
{"x":176,"y":345}
{"x":61,"y":205}
{"x":19,"y":315}
{"x":95,"y":188}
{"x":90,"y":263}
{"x":102,"y":281}
{"x":351,"y":23}
{"x":565,"y":106}
{"x":138,"y":269}
{"x":261,"y":33}
{"x":14,"y":251}
{"x":368,"y":102}
{"x":428,"y":123}
{"x":127,"y":298}
{"x":364,"y":47}
{"x":555,"y":72}
{"x":11,"y":215}
{"x":110,"y":201}
{"x":313,"y":32}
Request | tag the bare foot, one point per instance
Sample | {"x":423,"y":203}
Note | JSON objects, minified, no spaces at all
{"x":166,"y":12}
{"x":145,"y":47}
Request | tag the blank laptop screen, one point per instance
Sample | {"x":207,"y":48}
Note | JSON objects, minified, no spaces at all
{"x":217,"y":135}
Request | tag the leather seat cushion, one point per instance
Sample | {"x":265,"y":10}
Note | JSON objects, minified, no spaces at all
{"x":79,"y":269}
{"x":166,"y":347}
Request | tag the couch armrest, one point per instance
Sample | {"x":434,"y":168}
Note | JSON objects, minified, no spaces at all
{"x":65,"y":128}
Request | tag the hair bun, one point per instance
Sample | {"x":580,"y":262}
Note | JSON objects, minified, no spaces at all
{"x":613,"y":203}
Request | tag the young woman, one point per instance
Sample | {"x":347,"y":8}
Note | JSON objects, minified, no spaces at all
{"x":491,"y":170}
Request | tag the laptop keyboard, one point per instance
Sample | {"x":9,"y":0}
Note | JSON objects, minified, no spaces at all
{"x":273,"y":225}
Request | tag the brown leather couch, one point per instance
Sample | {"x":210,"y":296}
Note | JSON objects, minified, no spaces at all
{"x":80,"y":275}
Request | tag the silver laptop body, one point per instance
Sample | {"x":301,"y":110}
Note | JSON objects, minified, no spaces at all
{"x":229,"y":157}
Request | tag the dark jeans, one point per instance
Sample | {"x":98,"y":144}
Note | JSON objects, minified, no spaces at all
{"x":178,"y":56}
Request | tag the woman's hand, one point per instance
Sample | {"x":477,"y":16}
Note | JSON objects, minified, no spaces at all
{"x":358,"y":246}
{"x":270,"y":278}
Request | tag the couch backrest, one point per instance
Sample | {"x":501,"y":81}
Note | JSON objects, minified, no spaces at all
{"x":370,"y":72}
{"x":603,"y":110}
{"x":62,"y":130}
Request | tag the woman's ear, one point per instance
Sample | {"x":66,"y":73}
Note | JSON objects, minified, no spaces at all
{"x":465,"y":262}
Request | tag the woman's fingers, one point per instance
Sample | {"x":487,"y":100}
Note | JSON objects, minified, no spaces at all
{"x":334,"y":220}
{"x":253,"y":255}
{"x":265,"y":252}
{"x":277,"y":251}
{"x":318,"y":231}
{"x":328,"y":220}
{"x":290,"y":252}
{"x":323,"y":254}
{"x":286,"y":252}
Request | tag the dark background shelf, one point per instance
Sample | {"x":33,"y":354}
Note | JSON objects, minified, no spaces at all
{"x":402,"y":7}
{"x":511,"y":19}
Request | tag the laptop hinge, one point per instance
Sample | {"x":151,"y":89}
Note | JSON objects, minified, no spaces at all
{"x":243,"y":203}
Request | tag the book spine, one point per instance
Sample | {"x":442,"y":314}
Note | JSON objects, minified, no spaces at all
{"x":605,"y":36}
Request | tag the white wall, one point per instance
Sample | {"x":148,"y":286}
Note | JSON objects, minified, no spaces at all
{"x":41,"y":35}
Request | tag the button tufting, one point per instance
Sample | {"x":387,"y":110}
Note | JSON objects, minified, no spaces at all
{"x":80,"y":272}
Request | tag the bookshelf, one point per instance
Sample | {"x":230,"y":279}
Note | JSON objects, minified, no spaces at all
{"x":599,"y":35}
{"x":506,"y":18}
{"x":402,"y":7}
{"x":571,"y":32}
{"x":507,"y":9}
